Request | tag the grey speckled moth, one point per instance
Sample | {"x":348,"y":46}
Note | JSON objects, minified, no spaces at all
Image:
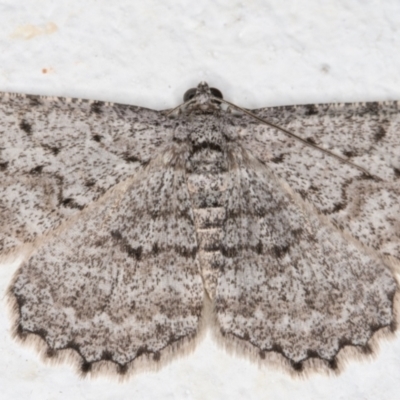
{"x":286,"y":220}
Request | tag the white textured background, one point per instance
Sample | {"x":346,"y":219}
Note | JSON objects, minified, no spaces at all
{"x":258,"y":53}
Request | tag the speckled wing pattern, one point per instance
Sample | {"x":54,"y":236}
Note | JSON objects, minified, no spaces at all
{"x":291,"y":283}
{"x":367,"y":134}
{"x":58,"y":155}
{"x":122,"y":281}
{"x":139,"y":218}
{"x":331,"y":268}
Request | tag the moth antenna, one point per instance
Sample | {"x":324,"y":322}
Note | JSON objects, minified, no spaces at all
{"x":298,"y":138}
{"x":180,"y":107}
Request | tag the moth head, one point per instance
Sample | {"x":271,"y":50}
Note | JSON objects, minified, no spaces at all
{"x":203,"y":96}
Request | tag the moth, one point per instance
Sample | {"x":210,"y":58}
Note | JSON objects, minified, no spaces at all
{"x":279,"y":227}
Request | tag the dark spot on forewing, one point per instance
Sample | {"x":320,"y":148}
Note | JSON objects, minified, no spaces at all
{"x":90,"y":182}
{"x":396,"y":172}
{"x":348,"y":153}
{"x":37,"y":170}
{"x":116,"y":235}
{"x":338,"y":207}
{"x":3,"y":166}
{"x":302,"y":193}
{"x":372,"y":108}
{"x":26,"y":126}
{"x":297,"y":233}
{"x":132,"y":159}
{"x":53,"y":149}
{"x":97,"y":138}
{"x":69,"y":202}
{"x":134,"y":252}
{"x":155,"y":250}
{"x":380,"y":134}
{"x":99,"y":243}
{"x":96,"y":108}
{"x":278,"y":159}
{"x":280,"y":251}
{"x":366,"y":176}
{"x":311,"y":141}
{"x":34,"y":101}
{"x":310,"y":109}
